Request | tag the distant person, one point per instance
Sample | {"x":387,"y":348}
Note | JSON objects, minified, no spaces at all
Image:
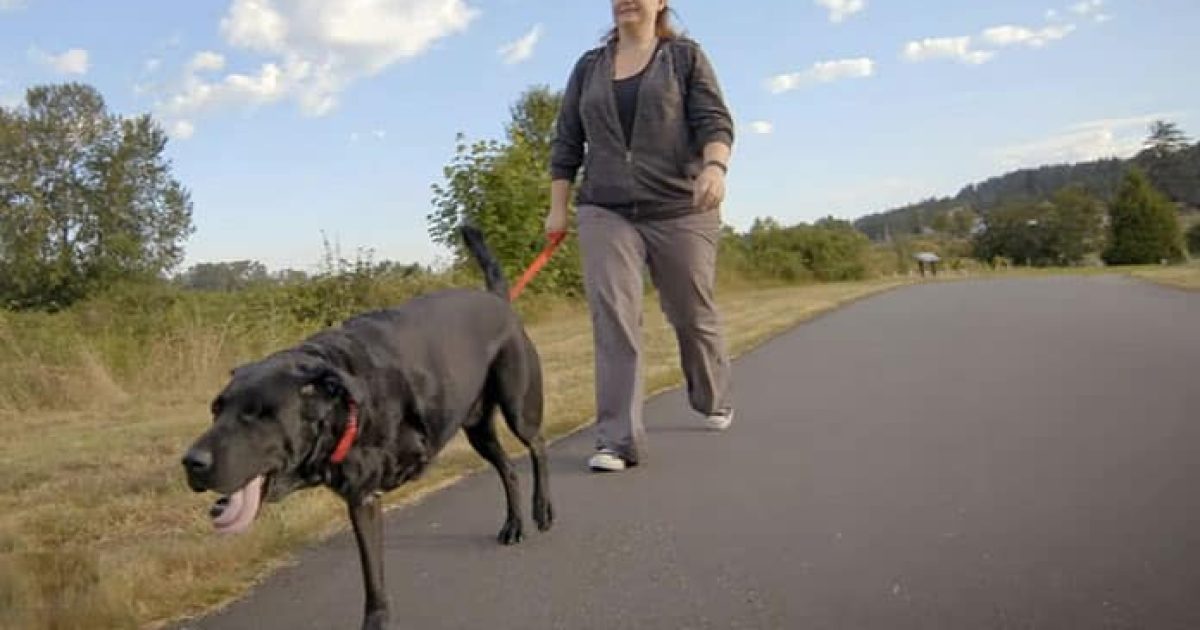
{"x":644,"y":116}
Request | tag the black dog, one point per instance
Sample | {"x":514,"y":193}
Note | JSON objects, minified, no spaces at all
{"x":365,"y":407}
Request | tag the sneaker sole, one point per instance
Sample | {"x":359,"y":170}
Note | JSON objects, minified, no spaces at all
{"x":611,"y":466}
{"x":713,"y":424}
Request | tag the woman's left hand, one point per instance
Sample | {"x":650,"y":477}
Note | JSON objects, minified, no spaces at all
{"x":710,"y":188}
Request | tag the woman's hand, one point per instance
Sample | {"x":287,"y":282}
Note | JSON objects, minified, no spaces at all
{"x":710,"y":188}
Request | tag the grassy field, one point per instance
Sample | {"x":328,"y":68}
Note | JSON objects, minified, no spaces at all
{"x":1180,"y":276}
{"x":97,"y":529}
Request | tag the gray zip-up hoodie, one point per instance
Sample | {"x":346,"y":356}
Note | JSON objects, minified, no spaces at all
{"x":680,"y":109}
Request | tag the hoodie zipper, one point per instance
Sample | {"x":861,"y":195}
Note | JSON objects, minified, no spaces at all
{"x":658,"y":51}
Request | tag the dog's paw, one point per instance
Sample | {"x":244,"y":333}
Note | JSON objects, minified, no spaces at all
{"x":512,"y":533}
{"x":377,"y":620}
{"x":543,"y":514}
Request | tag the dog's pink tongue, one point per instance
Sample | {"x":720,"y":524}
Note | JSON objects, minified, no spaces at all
{"x":240,"y":508}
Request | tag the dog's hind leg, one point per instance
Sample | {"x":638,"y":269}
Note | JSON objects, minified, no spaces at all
{"x":367,"y":518}
{"x":519,"y":389}
{"x":482,"y":435}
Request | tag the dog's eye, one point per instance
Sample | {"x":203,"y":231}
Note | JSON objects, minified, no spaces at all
{"x":257,"y":411}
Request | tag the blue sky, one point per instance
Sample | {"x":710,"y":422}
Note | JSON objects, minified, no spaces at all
{"x":290,"y":118}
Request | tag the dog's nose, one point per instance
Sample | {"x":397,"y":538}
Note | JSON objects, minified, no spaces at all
{"x":198,"y":461}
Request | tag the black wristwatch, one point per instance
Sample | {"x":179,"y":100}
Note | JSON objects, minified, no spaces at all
{"x":719,"y":164}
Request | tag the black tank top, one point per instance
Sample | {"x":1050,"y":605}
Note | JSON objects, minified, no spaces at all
{"x":626,"y":91}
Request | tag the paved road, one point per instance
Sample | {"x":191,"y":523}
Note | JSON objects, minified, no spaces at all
{"x":1009,"y":454}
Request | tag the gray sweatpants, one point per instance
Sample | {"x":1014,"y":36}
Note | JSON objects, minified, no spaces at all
{"x":681,"y":254}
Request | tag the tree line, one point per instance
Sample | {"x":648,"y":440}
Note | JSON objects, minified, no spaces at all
{"x":88,"y":201}
{"x":1140,"y":226}
{"x":1169,"y":160}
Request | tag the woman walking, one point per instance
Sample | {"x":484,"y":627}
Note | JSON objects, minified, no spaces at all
{"x":644,"y":117}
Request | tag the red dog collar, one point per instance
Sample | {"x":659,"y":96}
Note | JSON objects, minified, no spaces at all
{"x":347,"y":439}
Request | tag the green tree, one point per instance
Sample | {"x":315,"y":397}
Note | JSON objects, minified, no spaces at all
{"x":1013,"y":231}
{"x":1061,"y":231}
{"x":87,"y":199}
{"x":942,"y":222}
{"x":1143,"y":226}
{"x":1074,"y":227}
{"x":1167,"y":162}
{"x":503,"y":187}
{"x":962,"y":221}
{"x":225,"y":276}
{"x":829,"y":250}
{"x":1166,"y":139}
{"x":1193,"y":239}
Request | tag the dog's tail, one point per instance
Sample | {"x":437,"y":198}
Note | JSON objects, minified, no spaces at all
{"x":492,"y":273}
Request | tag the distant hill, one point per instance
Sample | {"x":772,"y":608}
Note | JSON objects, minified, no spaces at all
{"x":1178,"y":176}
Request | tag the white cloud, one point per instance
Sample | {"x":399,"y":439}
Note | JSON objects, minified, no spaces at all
{"x":1129,"y":122}
{"x":314,"y":50}
{"x":182,"y":129}
{"x":12,"y":5}
{"x":975,"y":51}
{"x":521,"y":49}
{"x":1087,"y":7}
{"x":73,"y":61}
{"x":255,"y":25}
{"x":207,"y":61}
{"x":1019,"y":35}
{"x":1113,"y":137}
{"x":378,"y":134}
{"x":822,"y":72}
{"x":152,"y":65}
{"x":839,"y":10}
{"x":958,"y":48}
{"x":1102,"y":18}
{"x":762,"y":127}
{"x":197,"y":96}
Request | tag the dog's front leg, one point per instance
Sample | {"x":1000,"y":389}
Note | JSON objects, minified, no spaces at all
{"x":367,"y":517}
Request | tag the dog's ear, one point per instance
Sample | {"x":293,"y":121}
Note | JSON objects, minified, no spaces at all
{"x":332,"y":382}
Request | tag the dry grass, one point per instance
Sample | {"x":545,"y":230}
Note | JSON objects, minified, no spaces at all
{"x":97,"y":529}
{"x":1178,"y":276}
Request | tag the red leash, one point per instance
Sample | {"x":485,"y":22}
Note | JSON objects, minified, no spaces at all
{"x":556,"y":238}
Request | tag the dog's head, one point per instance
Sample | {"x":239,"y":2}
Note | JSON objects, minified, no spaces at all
{"x":275,"y":425}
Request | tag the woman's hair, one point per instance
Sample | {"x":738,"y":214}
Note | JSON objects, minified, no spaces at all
{"x":663,"y":28}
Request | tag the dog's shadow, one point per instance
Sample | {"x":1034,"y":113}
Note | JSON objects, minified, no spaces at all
{"x":442,"y":541}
